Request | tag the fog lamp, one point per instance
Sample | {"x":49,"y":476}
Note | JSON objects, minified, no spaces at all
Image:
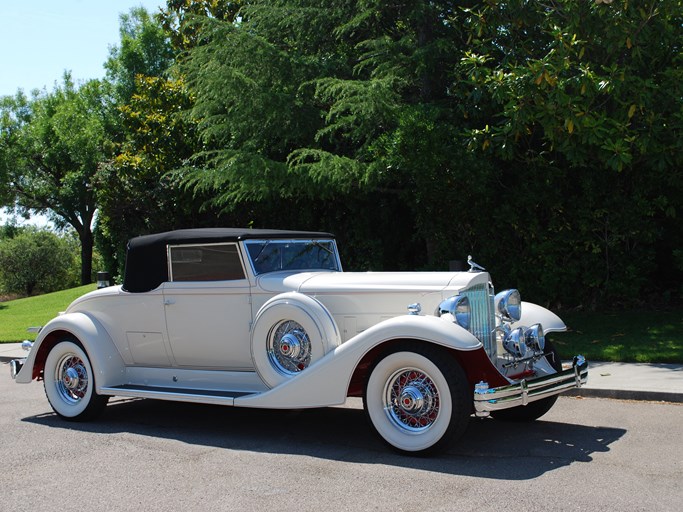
{"x":535,"y":338}
{"x":515,"y":345}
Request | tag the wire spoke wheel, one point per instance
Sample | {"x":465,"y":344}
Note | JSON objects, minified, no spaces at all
{"x":289,"y":347}
{"x":411,"y":399}
{"x":69,"y":383}
{"x":71,"y":378}
{"x":417,"y":398}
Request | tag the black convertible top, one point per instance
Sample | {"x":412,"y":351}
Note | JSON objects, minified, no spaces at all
{"x":146,"y":257}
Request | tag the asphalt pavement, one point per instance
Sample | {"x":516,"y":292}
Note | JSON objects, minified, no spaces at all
{"x":625,"y":381}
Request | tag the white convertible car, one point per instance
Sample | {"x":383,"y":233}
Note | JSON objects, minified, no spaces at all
{"x":267,"y":318}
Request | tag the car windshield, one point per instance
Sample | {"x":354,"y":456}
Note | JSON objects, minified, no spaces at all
{"x":274,"y":255}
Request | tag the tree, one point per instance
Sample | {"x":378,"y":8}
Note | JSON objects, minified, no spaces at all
{"x":578,"y":104}
{"x":144,"y":49}
{"x":35,"y":261}
{"x":136,"y":192}
{"x":319,"y":100}
{"x":50,"y":148}
{"x":545,"y":130}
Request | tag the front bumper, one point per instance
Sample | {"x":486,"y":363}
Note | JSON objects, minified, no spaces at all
{"x":487,"y":400}
{"x":15,"y":365}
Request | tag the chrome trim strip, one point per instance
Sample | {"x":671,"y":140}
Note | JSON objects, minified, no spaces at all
{"x":527,"y":391}
{"x":193,"y":396}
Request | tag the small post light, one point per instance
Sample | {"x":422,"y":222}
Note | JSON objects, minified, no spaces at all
{"x":102,"y":280}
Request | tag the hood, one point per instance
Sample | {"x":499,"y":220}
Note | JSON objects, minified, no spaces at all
{"x":417,"y":283}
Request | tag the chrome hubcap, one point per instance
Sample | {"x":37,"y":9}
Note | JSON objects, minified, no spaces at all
{"x":411,"y":400}
{"x":72,"y":379}
{"x":289,"y":347}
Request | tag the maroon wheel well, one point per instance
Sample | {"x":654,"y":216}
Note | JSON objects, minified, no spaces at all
{"x":48,"y":343}
{"x":475,"y":363}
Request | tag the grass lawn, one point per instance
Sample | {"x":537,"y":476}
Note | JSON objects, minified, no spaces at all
{"x":642,"y":336}
{"x":17,"y":315}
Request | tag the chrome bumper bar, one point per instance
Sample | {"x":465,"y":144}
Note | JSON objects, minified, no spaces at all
{"x":525,"y":391}
{"x":15,"y":366}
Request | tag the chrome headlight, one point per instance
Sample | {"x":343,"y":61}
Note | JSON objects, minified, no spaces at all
{"x":534,"y":337}
{"x":509,"y":305}
{"x":515,"y":345}
{"x":459,"y":307}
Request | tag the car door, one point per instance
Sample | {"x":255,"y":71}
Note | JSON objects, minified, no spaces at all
{"x":207,"y":307}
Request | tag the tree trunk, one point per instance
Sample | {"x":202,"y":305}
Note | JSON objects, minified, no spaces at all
{"x":86,"y":238}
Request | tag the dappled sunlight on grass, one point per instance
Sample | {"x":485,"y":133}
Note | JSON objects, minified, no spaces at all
{"x":647,"y":337}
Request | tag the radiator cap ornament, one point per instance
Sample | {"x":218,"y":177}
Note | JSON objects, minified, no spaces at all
{"x":473,"y":266}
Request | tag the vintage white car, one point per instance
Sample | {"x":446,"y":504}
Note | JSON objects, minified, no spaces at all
{"x":267,"y":318}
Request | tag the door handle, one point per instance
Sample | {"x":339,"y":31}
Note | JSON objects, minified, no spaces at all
{"x":168,"y":302}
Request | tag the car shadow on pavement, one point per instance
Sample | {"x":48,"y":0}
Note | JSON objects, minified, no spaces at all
{"x":489,"y":448}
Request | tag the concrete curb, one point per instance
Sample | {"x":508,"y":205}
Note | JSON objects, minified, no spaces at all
{"x":626,"y":394}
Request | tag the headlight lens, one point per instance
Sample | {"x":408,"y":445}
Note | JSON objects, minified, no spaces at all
{"x":459,"y":307}
{"x":515,"y":345}
{"x":534,"y":337}
{"x":509,"y":305}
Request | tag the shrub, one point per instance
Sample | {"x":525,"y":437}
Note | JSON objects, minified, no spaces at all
{"x":36,"y":261}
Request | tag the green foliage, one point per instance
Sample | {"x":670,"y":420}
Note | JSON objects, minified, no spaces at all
{"x":136,"y":193}
{"x":544,"y":138}
{"x":303,"y":114}
{"x":50,"y":148}
{"x":579,"y":107}
{"x":144,"y":49}
{"x":36,"y":262}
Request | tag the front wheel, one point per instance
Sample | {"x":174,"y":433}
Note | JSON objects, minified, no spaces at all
{"x":417,"y":398}
{"x":70,"y":384}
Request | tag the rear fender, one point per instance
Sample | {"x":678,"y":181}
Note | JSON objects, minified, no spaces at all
{"x":326,"y":382}
{"x":106,"y":361}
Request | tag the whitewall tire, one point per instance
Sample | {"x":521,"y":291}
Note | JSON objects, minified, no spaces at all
{"x":416,"y":398}
{"x":70,"y":383}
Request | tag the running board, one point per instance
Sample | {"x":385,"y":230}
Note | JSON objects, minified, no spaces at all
{"x":201,"y":396}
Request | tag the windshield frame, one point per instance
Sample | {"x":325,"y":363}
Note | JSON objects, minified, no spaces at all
{"x":321,"y":242}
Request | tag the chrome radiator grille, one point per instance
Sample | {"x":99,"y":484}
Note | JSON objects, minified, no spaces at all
{"x":483,"y":321}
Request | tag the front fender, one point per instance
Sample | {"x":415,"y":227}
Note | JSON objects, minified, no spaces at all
{"x":535,"y":314}
{"x":326,"y":381}
{"x":106,"y":361}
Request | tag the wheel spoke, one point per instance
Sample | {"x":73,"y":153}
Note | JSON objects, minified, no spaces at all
{"x":289,"y":348}
{"x":72,"y":379}
{"x":411,"y":400}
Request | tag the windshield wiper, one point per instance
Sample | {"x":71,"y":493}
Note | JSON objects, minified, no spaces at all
{"x":261,"y":251}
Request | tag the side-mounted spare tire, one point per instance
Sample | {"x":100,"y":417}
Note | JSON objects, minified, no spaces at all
{"x":291,"y":331}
